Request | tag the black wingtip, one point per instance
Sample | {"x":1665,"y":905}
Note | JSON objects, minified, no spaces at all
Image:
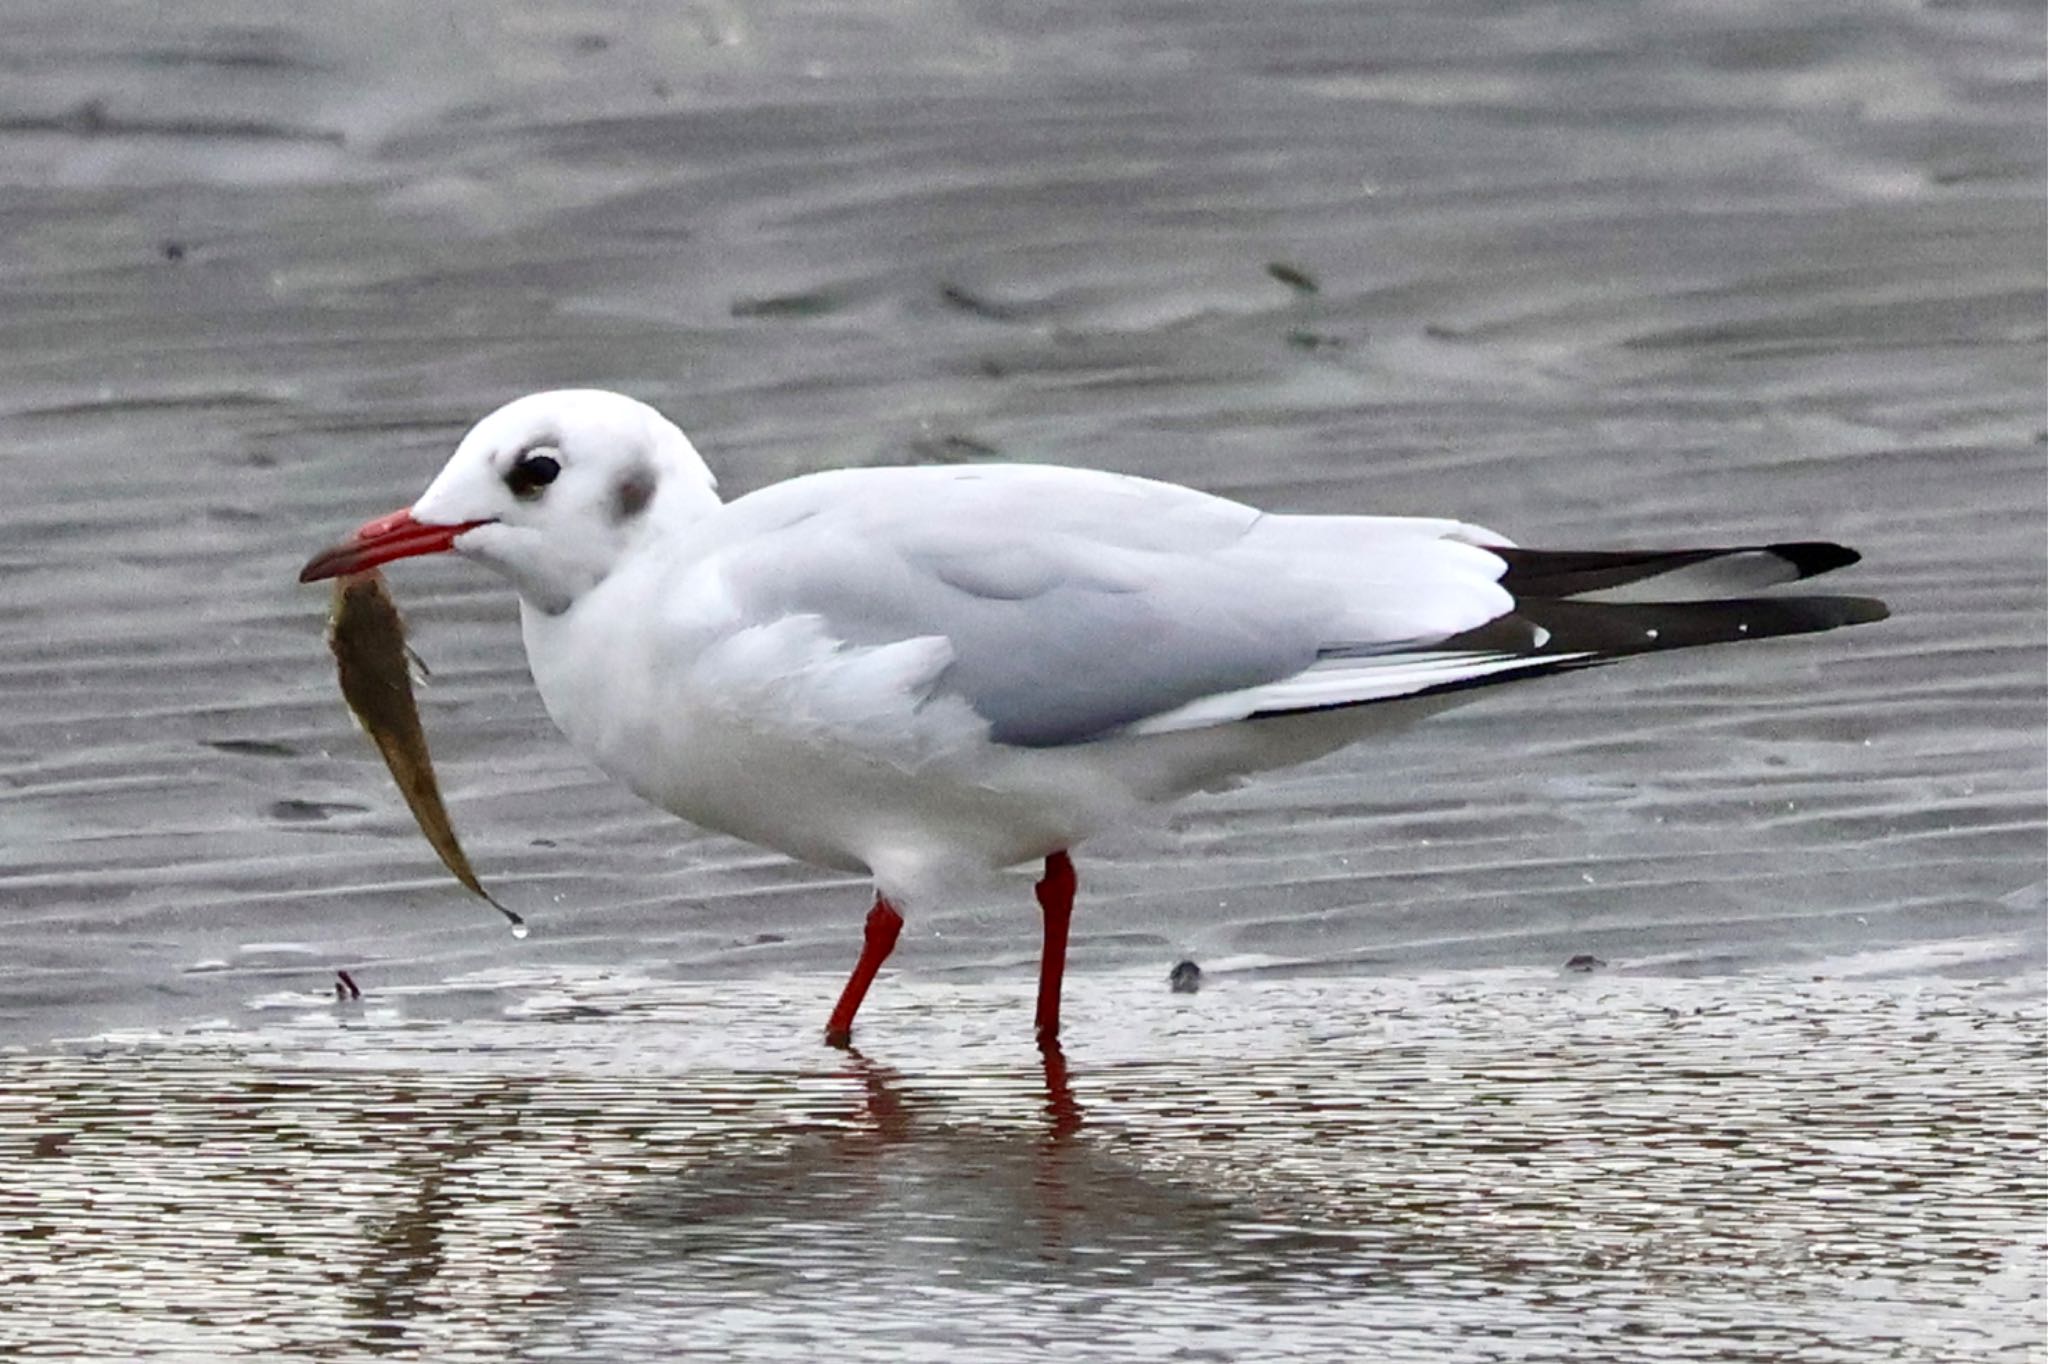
{"x":1811,"y":558}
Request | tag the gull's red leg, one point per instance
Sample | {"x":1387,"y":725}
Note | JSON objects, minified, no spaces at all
{"x":1056,"y":899}
{"x":879,"y":940}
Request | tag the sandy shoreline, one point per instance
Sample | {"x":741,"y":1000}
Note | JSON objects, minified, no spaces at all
{"x":1591,"y":282}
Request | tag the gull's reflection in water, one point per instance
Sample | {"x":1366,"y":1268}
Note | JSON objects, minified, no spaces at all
{"x":988,"y":1177}
{"x":713,"y":1191}
{"x":1034,"y":1163}
{"x":1062,"y":1111}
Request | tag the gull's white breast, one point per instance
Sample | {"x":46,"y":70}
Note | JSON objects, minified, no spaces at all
{"x":778,"y":733}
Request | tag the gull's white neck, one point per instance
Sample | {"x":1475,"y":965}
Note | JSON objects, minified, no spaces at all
{"x":592,"y":651}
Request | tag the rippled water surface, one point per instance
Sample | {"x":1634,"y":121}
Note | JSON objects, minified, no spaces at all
{"x":1477,"y":1166}
{"x":1595,"y":275}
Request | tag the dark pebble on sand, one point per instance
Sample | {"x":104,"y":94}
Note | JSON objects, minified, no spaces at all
{"x":1294,"y":277}
{"x":253,"y":748}
{"x":309,"y":811}
{"x":785,"y":305}
{"x":1185,"y":978}
{"x":969,"y":302}
{"x":1585,"y":961}
{"x":1304,"y":339}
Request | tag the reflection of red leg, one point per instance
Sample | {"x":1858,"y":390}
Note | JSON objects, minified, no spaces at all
{"x":1056,"y":898}
{"x":1060,"y":1104}
{"x":884,"y":923}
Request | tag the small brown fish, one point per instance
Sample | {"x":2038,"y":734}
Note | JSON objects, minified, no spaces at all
{"x":368,"y":639}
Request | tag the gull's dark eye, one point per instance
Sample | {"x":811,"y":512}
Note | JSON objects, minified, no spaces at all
{"x":530,"y":473}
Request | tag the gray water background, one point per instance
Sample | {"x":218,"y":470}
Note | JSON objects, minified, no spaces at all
{"x":1592,"y":275}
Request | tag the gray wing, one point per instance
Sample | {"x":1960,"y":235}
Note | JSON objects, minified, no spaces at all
{"x":1077,"y":603}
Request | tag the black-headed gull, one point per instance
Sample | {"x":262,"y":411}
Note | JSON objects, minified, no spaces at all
{"x":921,"y":673}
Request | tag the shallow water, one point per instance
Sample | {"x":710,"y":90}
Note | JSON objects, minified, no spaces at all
{"x":1592,"y":275}
{"x":1468,"y":1166}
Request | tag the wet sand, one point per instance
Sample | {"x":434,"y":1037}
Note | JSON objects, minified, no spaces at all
{"x":1591,"y":276}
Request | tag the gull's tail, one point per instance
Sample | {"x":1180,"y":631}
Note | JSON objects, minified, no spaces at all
{"x":1583,"y":608}
{"x":1666,"y":575}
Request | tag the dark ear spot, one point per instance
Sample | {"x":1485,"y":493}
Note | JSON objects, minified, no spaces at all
{"x":632,"y":495}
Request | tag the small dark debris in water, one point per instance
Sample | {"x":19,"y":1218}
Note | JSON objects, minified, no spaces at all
{"x":543,"y":843}
{"x":310,"y":811}
{"x":1443,"y":331}
{"x":954,"y":449}
{"x":990,"y":369}
{"x":1585,"y":961}
{"x":592,"y":42}
{"x":1185,"y":978}
{"x":968,"y":302}
{"x":1303,"y":339}
{"x":767,"y":939}
{"x":1294,"y":277}
{"x":785,"y":305}
{"x":345,"y":987}
{"x":173,"y":251}
{"x":253,"y":748}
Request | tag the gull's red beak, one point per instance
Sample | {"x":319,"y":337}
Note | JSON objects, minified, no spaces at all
{"x":396,"y":536}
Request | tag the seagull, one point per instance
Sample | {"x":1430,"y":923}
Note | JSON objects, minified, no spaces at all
{"x":931,"y":674}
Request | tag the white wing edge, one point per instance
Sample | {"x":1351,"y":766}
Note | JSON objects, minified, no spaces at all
{"x":1350,"y":682}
